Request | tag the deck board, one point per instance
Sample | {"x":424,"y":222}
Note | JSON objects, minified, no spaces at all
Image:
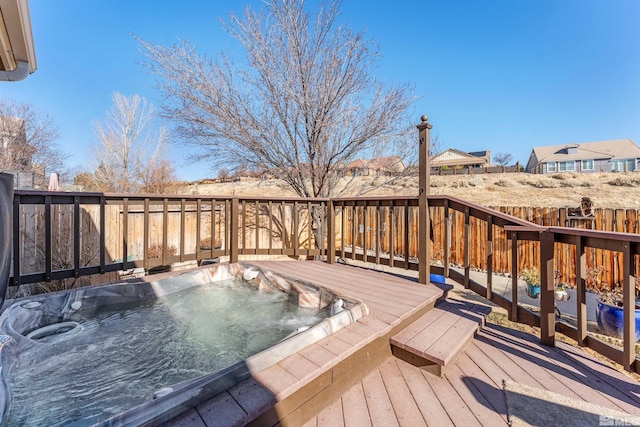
{"x":614,"y":386}
{"x":475,"y":377}
{"x":476,"y":402}
{"x":332,"y":415}
{"x":426,"y":399}
{"x":404,"y":405}
{"x":354,"y":407}
{"x":556,"y":375}
{"x":397,"y":393}
{"x":378,"y":401}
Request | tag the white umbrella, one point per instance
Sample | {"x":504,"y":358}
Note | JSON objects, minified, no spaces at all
{"x":53,"y":182}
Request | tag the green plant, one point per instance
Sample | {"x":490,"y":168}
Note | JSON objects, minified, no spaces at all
{"x":531,"y":275}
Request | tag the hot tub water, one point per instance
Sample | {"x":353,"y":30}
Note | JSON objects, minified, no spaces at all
{"x":123,"y":354}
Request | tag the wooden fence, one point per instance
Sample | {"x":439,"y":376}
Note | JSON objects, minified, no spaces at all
{"x":381,"y":227}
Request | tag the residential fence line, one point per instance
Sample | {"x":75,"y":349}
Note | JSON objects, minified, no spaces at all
{"x":604,"y":266}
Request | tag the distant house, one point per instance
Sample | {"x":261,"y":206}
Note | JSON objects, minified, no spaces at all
{"x":15,"y":150}
{"x":453,"y":158}
{"x":618,"y":155}
{"x":375,"y":167}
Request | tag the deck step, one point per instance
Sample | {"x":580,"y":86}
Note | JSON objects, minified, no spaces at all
{"x":434,"y":340}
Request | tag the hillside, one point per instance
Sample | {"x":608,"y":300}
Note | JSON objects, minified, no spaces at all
{"x":613,"y":190}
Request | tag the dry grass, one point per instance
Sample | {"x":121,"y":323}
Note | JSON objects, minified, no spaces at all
{"x":516,"y":189}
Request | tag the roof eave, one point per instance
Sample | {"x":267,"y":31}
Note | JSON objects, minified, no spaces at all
{"x":16,"y":38}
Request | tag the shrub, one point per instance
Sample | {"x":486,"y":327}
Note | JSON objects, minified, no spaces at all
{"x":475,"y":181}
{"x":624,"y":181}
{"x":542,"y":183}
{"x":461,"y":183}
{"x":567,"y":184}
{"x":531,"y":275}
{"x":503,"y":183}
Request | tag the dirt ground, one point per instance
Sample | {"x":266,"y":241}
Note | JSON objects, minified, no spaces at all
{"x":610,"y":190}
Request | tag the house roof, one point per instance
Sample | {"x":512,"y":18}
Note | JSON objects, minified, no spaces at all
{"x":391,"y":163}
{"x":17,"y":54}
{"x":611,"y":149}
{"x":452,"y":157}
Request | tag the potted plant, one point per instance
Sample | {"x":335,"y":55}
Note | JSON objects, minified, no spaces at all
{"x":561,"y":293}
{"x":610,"y":313}
{"x":532,"y":277}
{"x":610,"y":308}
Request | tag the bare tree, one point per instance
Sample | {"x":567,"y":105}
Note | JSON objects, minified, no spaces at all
{"x":502,"y":159}
{"x":223,"y":173}
{"x":28,"y":141}
{"x":129,"y":153}
{"x":305,"y":106}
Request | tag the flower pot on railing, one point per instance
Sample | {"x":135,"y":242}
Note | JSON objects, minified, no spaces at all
{"x":610,"y":319}
{"x":532,"y":277}
{"x":533,"y":290}
{"x":561,"y":293}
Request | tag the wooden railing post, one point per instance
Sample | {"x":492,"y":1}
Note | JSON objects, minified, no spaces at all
{"x":47,"y":237}
{"x":467,"y":246}
{"x":145,"y":237}
{"x":628,"y":303}
{"x":489,"y":257}
{"x":447,"y":238}
{"x":125,"y":232}
{"x":547,"y":289}
{"x":331,"y":232}
{"x":424,"y":247}
{"x":234,"y":230}
{"x":16,"y":241}
{"x":103,"y":222}
{"x":199,"y":230}
{"x":581,"y":291}
{"x":165,"y":229}
{"x":76,"y":237}
{"x":514,"y":276}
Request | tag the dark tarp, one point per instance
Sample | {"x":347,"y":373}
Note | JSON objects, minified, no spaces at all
{"x":6,"y":200}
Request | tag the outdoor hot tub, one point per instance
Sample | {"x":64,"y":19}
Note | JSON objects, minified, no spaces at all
{"x":138,"y":351}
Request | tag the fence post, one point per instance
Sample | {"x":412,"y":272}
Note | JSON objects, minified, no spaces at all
{"x":233,"y":257}
{"x":331,"y":232}
{"x":424,"y":227}
{"x":547,"y":289}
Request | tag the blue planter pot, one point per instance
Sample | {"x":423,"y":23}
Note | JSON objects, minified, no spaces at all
{"x":437,"y":278}
{"x":533,"y":290}
{"x":610,"y":318}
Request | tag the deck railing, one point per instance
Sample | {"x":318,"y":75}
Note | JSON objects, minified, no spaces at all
{"x":72,"y":235}
{"x":61,"y":236}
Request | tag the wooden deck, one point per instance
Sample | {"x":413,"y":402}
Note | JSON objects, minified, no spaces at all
{"x":351,"y":379}
{"x":470,"y":393}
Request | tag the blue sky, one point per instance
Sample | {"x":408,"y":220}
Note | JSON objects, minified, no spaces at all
{"x":500,"y":75}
